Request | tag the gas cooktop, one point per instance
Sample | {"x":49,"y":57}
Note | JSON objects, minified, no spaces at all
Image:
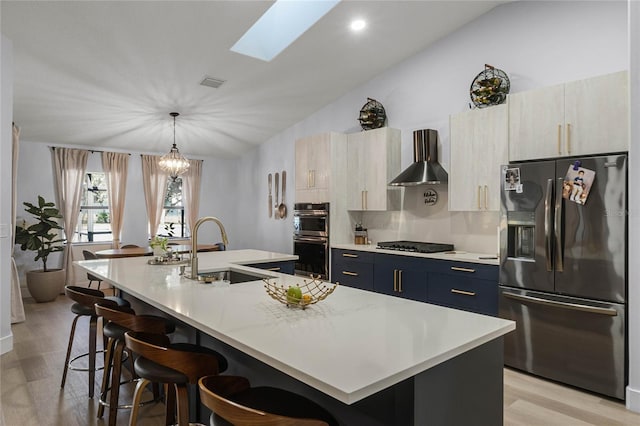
{"x":415,"y":246}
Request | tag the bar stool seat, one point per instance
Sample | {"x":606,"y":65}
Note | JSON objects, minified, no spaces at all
{"x":234,"y":402}
{"x":175,"y":365}
{"x":85,"y":299}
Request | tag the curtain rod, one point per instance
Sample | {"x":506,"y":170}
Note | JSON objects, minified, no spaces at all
{"x":93,"y":151}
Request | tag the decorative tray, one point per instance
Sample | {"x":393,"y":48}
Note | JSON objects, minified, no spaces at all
{"x":310,"y":292}
{"x":166,"y":261}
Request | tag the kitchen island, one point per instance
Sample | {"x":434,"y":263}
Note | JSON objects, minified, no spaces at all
{"x":368,"y":358}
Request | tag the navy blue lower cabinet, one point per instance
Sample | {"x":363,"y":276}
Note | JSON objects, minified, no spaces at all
{"x":400,"y":276}
{"x":352,"y":268}
{"x":284,"y":267}
{"x":466,"y":286}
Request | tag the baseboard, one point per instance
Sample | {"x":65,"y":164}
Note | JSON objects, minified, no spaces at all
{"x":633,"y":399}
{"x":6,"y":344}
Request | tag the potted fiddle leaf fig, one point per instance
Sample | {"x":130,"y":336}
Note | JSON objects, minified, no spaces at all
{"x":43,"y":237}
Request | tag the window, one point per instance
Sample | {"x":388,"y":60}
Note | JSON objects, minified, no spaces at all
{"x":172,"y":222}
{"x":93,"y":222}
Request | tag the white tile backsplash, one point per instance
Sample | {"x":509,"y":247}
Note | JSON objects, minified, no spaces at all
{"x":468,"y":231}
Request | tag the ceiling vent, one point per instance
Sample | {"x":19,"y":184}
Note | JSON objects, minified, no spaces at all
{"x":212,"y":82}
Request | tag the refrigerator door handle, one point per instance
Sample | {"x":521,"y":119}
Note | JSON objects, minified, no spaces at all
{"x":563,"y":305}
{"x":547,"y":224}
{"x":557,"y":229}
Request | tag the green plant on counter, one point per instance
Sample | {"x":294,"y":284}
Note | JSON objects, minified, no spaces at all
{"x":39,"y":236}
{"x":159,"y":242}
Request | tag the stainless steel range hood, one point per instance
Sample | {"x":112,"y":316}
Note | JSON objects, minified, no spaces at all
{"x":425,"y":168}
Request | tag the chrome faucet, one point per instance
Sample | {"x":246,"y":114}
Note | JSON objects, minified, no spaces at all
{"x":194,"y":242}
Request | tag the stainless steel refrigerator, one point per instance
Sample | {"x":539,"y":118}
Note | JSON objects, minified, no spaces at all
{"x":563,"y":271}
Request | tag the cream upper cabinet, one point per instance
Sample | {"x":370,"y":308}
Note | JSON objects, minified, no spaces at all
{"x":314,"y":165}
{"x":373,"y":160}
{"x":584,"y":117}
{"x":596,"y":114}
{"x":478,"y":144}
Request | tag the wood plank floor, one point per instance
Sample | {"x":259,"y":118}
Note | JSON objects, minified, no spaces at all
{"x":31,"y":394}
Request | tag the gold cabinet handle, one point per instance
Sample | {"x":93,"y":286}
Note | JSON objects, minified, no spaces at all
{"x":568,"y":138}
{"x":464,"y":293}
{"x":559,"y":139}
{"x":308,"y":178}
{"x":349,"y":255}
{"x":366,"y":200}
{"x":400,"y":281}
{"x":479,"y":197}
{"x":457,"y":268}
{"x":395,"y":280}
{"x":277,"y":268}
{"x":486,"y":197}
{"x":362,"y":201}
{"x":351,"y":274}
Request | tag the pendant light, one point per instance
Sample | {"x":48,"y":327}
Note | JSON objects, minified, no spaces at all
{"x":173,"y":162}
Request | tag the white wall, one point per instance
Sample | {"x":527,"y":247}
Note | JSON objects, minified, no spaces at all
{"x":6,"y":116}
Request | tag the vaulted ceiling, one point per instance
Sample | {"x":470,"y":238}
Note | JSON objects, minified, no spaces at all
{"x":108,"y":73}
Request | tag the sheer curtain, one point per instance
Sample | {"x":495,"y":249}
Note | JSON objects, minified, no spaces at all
{"x":191,"y":191}
{"x":17,"y":308}
{"x":154,"y":182}
{"x":70,"y":167}
{"x":116,"y":166}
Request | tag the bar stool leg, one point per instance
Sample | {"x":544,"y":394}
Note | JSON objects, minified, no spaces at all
{"x":169,"y":404}
{"x":105,"y":377}
{"x":92,"y":354}
{"x":137,"y":396}
{"x":66,"y":360}
{"x":183,"y":404}
{"x":115,"y":381}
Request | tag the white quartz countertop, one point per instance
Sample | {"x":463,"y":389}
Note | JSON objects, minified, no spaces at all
{"x":457,"y":255}
{"x":349,"y":346}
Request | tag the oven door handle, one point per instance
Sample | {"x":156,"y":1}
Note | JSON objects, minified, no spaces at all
{"x":316,"y":240}
{"x":310,"y":213}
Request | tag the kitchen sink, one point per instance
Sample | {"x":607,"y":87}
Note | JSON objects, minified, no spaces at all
{"x":230,"y":276}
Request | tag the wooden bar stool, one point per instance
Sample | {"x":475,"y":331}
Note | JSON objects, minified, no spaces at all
{"x":234,"y":402}
{"x":176,"y":365}
{"x":85,"y":299}
{"x":89,"y":255}
{"x":119,"y":320}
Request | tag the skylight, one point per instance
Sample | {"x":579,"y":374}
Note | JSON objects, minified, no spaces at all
{"x":280,"y":26}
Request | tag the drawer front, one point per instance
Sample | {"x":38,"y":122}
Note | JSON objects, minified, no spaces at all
{"x":352,"y":274}
{"x":352,"y":255}
{"x":286,"y":267}
{"x":465,"y":269}
{"x":465,"y":293}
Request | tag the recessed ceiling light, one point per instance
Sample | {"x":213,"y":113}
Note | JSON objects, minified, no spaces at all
{"x":280,"y":26}
{"x":358,"y":24}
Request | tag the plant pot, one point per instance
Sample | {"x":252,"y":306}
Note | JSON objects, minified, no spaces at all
{"x":45,"y":286}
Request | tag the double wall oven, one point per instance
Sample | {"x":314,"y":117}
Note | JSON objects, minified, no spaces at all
{"x":311,"y":239}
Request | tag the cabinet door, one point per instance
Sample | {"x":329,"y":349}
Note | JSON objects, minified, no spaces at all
{"x":400,"y":276}
{"x":319,"y":161}
{"x":313,"y":168}
{"x":302,"y":163}
{"x":356,"y":171}
{"x":597,"y":115}
{"x":478,"y":148}
{"x":536,"y":120}
{"x":373,"y":161}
